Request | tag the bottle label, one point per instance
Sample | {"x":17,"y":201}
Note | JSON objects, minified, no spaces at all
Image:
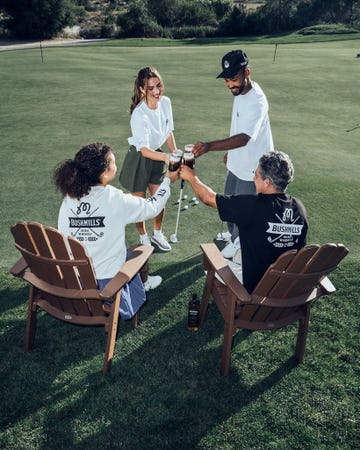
{"x":193,"y":319}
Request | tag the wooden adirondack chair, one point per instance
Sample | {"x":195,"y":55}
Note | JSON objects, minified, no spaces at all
{"x":283,"y":295}
{"x":65,"y":286}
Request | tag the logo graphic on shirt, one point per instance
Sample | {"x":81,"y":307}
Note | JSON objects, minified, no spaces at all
{"x":285,"y":232}
{"x":159,"y":193}
{"x":85,"y":224}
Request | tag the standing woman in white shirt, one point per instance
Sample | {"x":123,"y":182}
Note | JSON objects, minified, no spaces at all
{"x":145,"y":163}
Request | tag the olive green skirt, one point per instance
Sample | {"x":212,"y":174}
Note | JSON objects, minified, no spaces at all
{"x":138,"y":172}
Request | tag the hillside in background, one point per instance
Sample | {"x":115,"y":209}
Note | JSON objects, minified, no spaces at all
{"x":171,"y":19}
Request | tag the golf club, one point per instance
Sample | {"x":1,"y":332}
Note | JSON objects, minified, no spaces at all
{"x":173,"y":237}
{"x":188,"y":160}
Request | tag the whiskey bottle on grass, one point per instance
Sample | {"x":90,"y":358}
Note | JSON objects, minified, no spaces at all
{"x":193,"y":313}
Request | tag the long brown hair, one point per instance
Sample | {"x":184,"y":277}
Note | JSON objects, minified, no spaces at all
{"x":140,"y":83}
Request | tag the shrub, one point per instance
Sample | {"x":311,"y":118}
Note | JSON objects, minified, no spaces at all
{"x":39,"y":19}
{"x":233,"y":23}
{"x":137,"y":22}
{"x":327,"y":29}
{"x":192,"y":32}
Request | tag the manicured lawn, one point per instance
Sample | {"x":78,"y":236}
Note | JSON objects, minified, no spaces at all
{"x":164,"y":390}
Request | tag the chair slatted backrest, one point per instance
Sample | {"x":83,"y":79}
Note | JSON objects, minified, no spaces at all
{"x":87,"y":275}
{"x":48,"y":257}
{"x":285,"y":288}
{"x":294,"y":275}
{"x":76,"y":277}
{"x":258,"y":313}
{"x":304,"y":272}
{"x":269,"y":279}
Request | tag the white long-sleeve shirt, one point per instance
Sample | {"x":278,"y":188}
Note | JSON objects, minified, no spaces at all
{"x":98,"y":220}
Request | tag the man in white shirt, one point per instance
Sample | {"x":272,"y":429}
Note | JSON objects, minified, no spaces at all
{"x":250,"y":134}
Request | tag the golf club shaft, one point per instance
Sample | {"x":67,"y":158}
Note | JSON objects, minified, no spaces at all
{"x":179,"y":208}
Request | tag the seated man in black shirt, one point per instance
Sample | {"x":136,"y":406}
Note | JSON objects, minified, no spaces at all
{"x":270,"y":223}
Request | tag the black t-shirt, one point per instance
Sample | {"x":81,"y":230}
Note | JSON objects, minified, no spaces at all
{"x":269,"y":225}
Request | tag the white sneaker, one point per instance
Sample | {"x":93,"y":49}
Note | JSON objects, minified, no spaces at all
{"x":152,"y":282}
{"x":237,"y":258}
{"x":224,"y":236}
{"x":230,"y":250}
{"x":144,"y":239}
{"x":160,"y":241}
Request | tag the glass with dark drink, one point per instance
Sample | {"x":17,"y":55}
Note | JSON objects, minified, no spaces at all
{"x":175,"y":161}
{"x":188,"y":157}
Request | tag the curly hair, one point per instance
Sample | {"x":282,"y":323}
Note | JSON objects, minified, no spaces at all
{"x":278,"y":167}
{"x":75,"y":177}
{"x":141,"y":82}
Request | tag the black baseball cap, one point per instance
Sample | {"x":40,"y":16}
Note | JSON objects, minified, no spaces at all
{"x":232,"y":62}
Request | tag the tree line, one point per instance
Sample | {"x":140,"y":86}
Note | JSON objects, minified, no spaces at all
{"x":39,"y":19}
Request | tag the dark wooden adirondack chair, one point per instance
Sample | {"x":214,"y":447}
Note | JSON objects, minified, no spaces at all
{"x":63,"y":283}
{"x":283,"y":295}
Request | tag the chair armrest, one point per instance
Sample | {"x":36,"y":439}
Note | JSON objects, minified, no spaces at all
{"x":219,"y":264}
{"x":19,"y":267}
{"x":140,"y":255}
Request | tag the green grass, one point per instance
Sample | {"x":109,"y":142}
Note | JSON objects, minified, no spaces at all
{"x":164,"y":390}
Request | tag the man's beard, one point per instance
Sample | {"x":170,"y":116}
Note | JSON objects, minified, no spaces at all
{"x":238,"y":90}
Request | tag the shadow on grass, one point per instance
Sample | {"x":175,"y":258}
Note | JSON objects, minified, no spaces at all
{"x":164,"y":389}
{"x":14,"y":292}
{"x":167,"y":394}
{"x":60,"y":348}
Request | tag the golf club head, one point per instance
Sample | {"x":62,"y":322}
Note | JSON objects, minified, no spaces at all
{"x":173,"y":238}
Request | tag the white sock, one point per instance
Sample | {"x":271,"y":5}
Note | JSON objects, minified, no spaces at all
{"x":157,"y":232}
